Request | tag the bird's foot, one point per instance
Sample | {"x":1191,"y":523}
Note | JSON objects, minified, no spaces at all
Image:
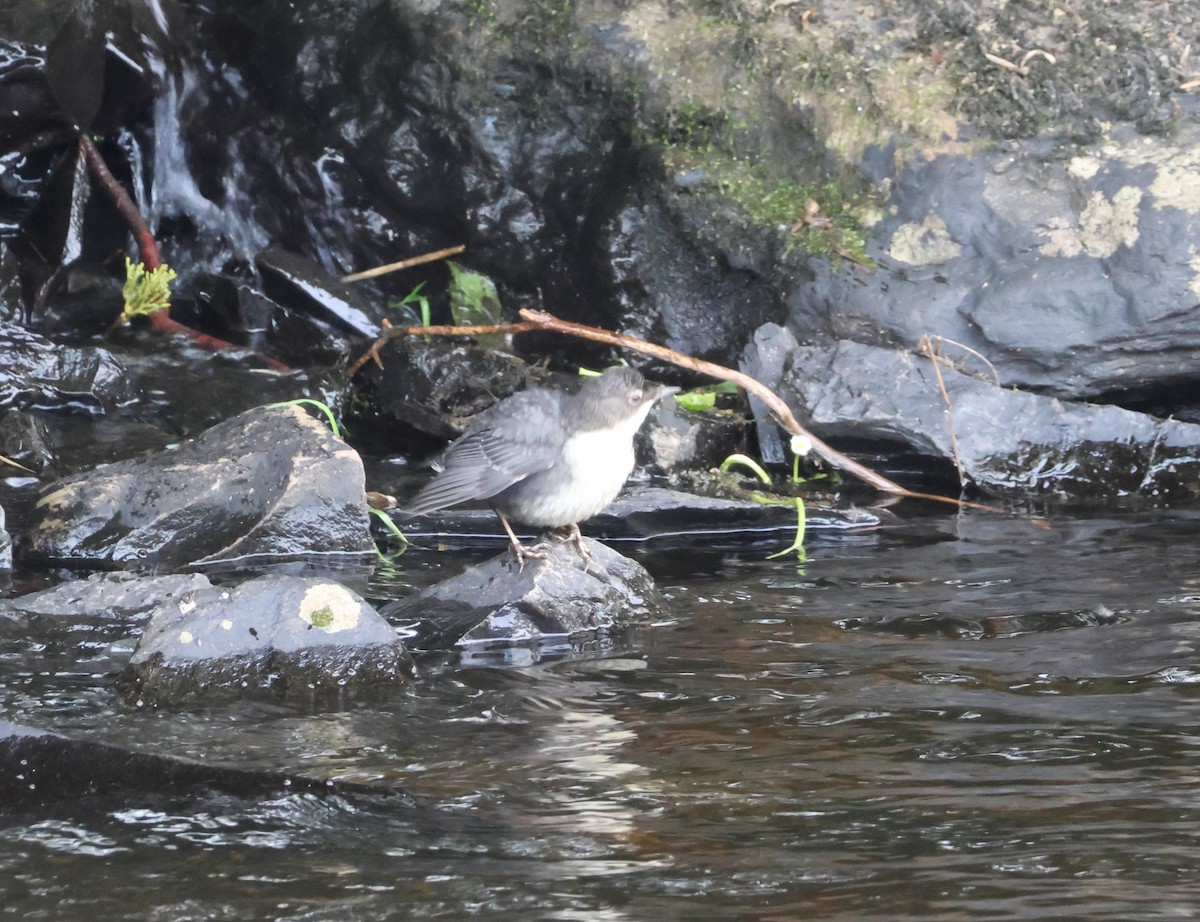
{"x":524,"y":553}
{"x":572,"y":533}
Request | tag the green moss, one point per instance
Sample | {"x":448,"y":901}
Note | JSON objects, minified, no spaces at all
{"x":819,"y":217}
{"x":321,"y":617}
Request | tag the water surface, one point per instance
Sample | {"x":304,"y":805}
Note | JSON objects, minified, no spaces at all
{"x":959,"y":717}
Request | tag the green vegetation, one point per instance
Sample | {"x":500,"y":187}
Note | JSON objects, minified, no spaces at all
{"x":473,"y":297}
{"x":145,"y":292}
{"x":415,"y":304}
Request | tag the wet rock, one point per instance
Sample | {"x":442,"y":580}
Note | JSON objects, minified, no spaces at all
{"x":1074,"y":276}
{"x":303,"y":284}
{"x":675,"y":439}
{"x":644,"y":513}
{"x":25,"y":439}
{"x":271,"y":482}
{"x":285,"y":635}
{"x":498,"y":603}
{"x":38,"y":373}
{"x":115,"y":596}
{"x":765,"y":359}
{"x":1011,"y":442}
{"x":40,"y":767}
{"x":436,"y":386}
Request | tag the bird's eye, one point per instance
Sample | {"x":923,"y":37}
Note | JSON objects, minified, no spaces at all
{"x":635,"y":397}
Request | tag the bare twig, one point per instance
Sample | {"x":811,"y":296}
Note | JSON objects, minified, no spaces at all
{"x":779,"y":409}
{"x":391,"y":332}
{"x":404,"y":264}
{"x":926,"y":347}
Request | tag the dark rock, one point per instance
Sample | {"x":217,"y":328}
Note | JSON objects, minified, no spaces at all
{"x":287,"y":635}
{"x":1010,"y":442}
{"x":496,"y":602}
{"x":270,"y":482}
{"x":39,"y":767}
{"x":646,"y":513}
{"x":436,"y":386}
{"x":297,"y":281}
{"x":765,"y":359}
{"x":674,"y":438}
{"x":118,"y":596}
{"x":40,"y":374}
{"x":25,"y":439}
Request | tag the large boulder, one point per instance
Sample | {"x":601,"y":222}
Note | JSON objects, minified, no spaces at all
{"x":270,"y":482}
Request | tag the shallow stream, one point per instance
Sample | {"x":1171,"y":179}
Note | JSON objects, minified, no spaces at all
{"x":960,"y":717}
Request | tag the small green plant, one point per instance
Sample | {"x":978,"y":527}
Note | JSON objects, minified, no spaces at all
{"x":797,"y":544}
{"x":416,"y":305}
{"x":704,"y":398}
{"x":392,"y":527}
{"x":323,"y":407}
{"x":145,"y":291}
{"x":800,"y":446}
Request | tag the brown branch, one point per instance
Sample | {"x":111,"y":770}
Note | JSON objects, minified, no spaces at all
{"x":147,"y":246}
{"x":404,"y":264}
{"x":774,"y":403}
{"x":390,"y":333}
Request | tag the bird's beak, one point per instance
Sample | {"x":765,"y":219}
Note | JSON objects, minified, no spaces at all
{"x":665,"y":391}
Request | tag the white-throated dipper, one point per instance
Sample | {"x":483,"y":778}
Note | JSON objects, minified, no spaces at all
{"x":546,"y":458}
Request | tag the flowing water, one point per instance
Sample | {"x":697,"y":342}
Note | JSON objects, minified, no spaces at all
{"x":964,"y":717}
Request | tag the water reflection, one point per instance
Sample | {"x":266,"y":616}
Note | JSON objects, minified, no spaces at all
{"x":966,"y":718}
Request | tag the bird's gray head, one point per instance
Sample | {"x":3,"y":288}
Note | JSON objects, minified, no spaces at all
{"x":619,"y":398}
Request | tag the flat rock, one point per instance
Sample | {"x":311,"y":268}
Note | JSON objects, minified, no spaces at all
{"x":272,"y":482}
{"x":116,"y":596}
{"x":287,"y":635}
{"x":496,"y":602}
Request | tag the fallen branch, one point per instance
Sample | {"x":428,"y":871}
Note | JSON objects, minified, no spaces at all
{"x":404,"y":264}
{"x":540,"y":320}
{"x":779,"y":409}
{"x":390,"y":333}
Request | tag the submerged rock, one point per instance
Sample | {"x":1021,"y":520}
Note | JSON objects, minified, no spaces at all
{"x":287,"y":635}
{"x":117,"y":596}
{"x":271,"y":482}
{"x":497,"y":602}
{"x":38,"y":767}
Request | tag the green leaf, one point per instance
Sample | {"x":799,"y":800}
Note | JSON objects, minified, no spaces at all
{"x":473,"y":297}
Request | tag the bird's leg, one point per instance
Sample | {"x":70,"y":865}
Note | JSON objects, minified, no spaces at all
{"x":522,"y":552}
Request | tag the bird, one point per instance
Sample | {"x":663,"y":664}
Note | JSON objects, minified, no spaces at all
{"x":545,"y":457}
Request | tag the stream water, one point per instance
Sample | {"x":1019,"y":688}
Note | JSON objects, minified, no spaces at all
{"x":959,"y":717}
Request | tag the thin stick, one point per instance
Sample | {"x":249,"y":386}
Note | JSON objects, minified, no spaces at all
{"x":773,"y":402}
{"x":372,"y":354}
{"x":404,"y":264}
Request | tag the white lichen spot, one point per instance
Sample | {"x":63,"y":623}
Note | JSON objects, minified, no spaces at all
{"x":186,"y":637}
{"x":330,"y":607}
{"x":187,"y":605}
{"x":1105,"y":226}
{"x":1194,"y":264}
{"x":226,"y":624}
{"x":1083,"y":167}
{"x":1062,"y":239}
{"x":925,"y":244}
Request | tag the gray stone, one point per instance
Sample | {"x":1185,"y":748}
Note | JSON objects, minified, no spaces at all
{"x":286,"y":635}
{"x":1010,"y":442}
{"x":272,"y":482}
{"x":497,"y":602}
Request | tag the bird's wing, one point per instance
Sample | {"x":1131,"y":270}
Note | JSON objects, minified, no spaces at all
{"x":518,"y":437}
